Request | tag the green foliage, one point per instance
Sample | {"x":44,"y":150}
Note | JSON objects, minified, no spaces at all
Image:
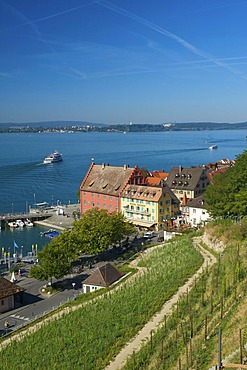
{"x":55,"y":258}
{"x":97,"y":230}
{"x":92,"y":234}
{"x":227,"y":193}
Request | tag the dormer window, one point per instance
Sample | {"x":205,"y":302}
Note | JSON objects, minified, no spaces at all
{"x":91,"y":183}
{"x":105,"y":185}
{"x":177,"y":175}
{"x":189,"y":176}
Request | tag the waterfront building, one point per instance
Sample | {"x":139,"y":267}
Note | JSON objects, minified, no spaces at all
{"x":103,"y":184}
{"x":149,"y":206}
{"x":191,"y":181}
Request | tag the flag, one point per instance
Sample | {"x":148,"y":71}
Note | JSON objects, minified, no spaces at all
{"x":15,"y":245}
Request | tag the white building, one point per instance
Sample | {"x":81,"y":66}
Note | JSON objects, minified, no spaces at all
{"x":194,"y":211}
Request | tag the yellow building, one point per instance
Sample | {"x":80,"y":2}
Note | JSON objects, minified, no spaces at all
{"x":149,"y":206}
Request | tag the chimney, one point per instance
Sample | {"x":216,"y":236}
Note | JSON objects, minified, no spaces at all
{"x":103,"y":166}
{"x":125,"y":167}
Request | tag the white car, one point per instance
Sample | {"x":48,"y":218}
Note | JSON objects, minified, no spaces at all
{"x":149,"y":234}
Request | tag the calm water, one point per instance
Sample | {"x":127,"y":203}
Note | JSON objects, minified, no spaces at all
{"x":25,"y":180}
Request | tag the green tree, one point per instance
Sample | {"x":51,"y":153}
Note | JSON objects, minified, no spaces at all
{"x":227,"y":193}
{"x":55,"y":258}
{"x":97,"y":229}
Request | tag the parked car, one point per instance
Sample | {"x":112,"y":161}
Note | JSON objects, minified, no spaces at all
{"x":149,"y":234}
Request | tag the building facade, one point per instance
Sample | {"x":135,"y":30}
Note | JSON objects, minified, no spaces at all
{"x":194,"y":212}
{"x":103,"y":185}
{"x":191,"y":181}
{"x":149,"y":206}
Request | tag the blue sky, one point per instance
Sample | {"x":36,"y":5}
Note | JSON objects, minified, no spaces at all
{"x":120,"y":61}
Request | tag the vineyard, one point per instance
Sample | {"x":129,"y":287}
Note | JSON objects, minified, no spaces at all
{"x":188,"y":338}
{"x":91,"y":336}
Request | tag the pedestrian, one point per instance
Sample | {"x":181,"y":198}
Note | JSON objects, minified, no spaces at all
{"x":6,"y":324}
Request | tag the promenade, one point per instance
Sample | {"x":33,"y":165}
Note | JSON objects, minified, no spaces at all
{"x":61,"y":218}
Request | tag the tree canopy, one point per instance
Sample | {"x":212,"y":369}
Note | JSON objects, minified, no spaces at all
{"x":92,"y":234}
{"x":55,"y":258}
{"x":97,"y":230}
{"x":227,"y":193}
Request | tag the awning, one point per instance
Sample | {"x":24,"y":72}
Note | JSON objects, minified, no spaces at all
{"x":142,"y":223}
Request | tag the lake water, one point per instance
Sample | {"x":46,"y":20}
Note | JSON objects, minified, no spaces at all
{"x":25,"y":180}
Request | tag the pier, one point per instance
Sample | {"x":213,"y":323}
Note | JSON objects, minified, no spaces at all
{"x":33,"y":217}
{"x":59,"y":217}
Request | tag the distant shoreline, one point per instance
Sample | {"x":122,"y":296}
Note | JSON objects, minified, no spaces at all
{"x":74,"y":127}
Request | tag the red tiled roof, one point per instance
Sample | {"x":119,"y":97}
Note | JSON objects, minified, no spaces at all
{"x":217,"y":172}
{"x":106,"y":179}
{"x":153,"y":181}
{"x":160,"y":174}
{"x":8,"y":289}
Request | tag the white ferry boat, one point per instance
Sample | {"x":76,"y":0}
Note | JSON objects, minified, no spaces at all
{"x":53,"y":157}
{"x":212,"y":147}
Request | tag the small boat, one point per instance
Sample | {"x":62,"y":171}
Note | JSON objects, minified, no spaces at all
{"x":212,"y":147}
{"x":20,"y":223}
{"x":13,"y":225}
{"x":53,"y":157}
{"x":28,"y":223}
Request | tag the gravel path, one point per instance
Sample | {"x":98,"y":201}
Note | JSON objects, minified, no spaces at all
{"x":144,"y":334}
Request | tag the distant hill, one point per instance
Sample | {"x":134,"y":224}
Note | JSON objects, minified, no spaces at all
{"x":84,"y":126}
{"x":50,"y":124}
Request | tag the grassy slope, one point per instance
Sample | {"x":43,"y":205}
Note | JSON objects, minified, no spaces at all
{"x":89,"y":337}
{"x":190,"y":337}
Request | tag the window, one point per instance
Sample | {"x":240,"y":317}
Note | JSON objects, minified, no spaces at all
{"x":2,"y":302}
{"x":110,"y":198}
{"x":104,"y":206}
{"x":84,"y":193}
{"x":85,"y":202}
{"x":104,"y":197}
{"x":110,"y":207}
{"x":161,"y":203}
{"x":168,"y":202}
{"x":194,"y":210}
{"x":92,"y":195}
{"x":98,"y":196}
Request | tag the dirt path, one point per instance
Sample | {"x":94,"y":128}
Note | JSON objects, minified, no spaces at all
{"x":144,"y":334}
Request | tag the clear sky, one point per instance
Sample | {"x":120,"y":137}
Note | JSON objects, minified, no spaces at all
{"x":120,"y":61}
